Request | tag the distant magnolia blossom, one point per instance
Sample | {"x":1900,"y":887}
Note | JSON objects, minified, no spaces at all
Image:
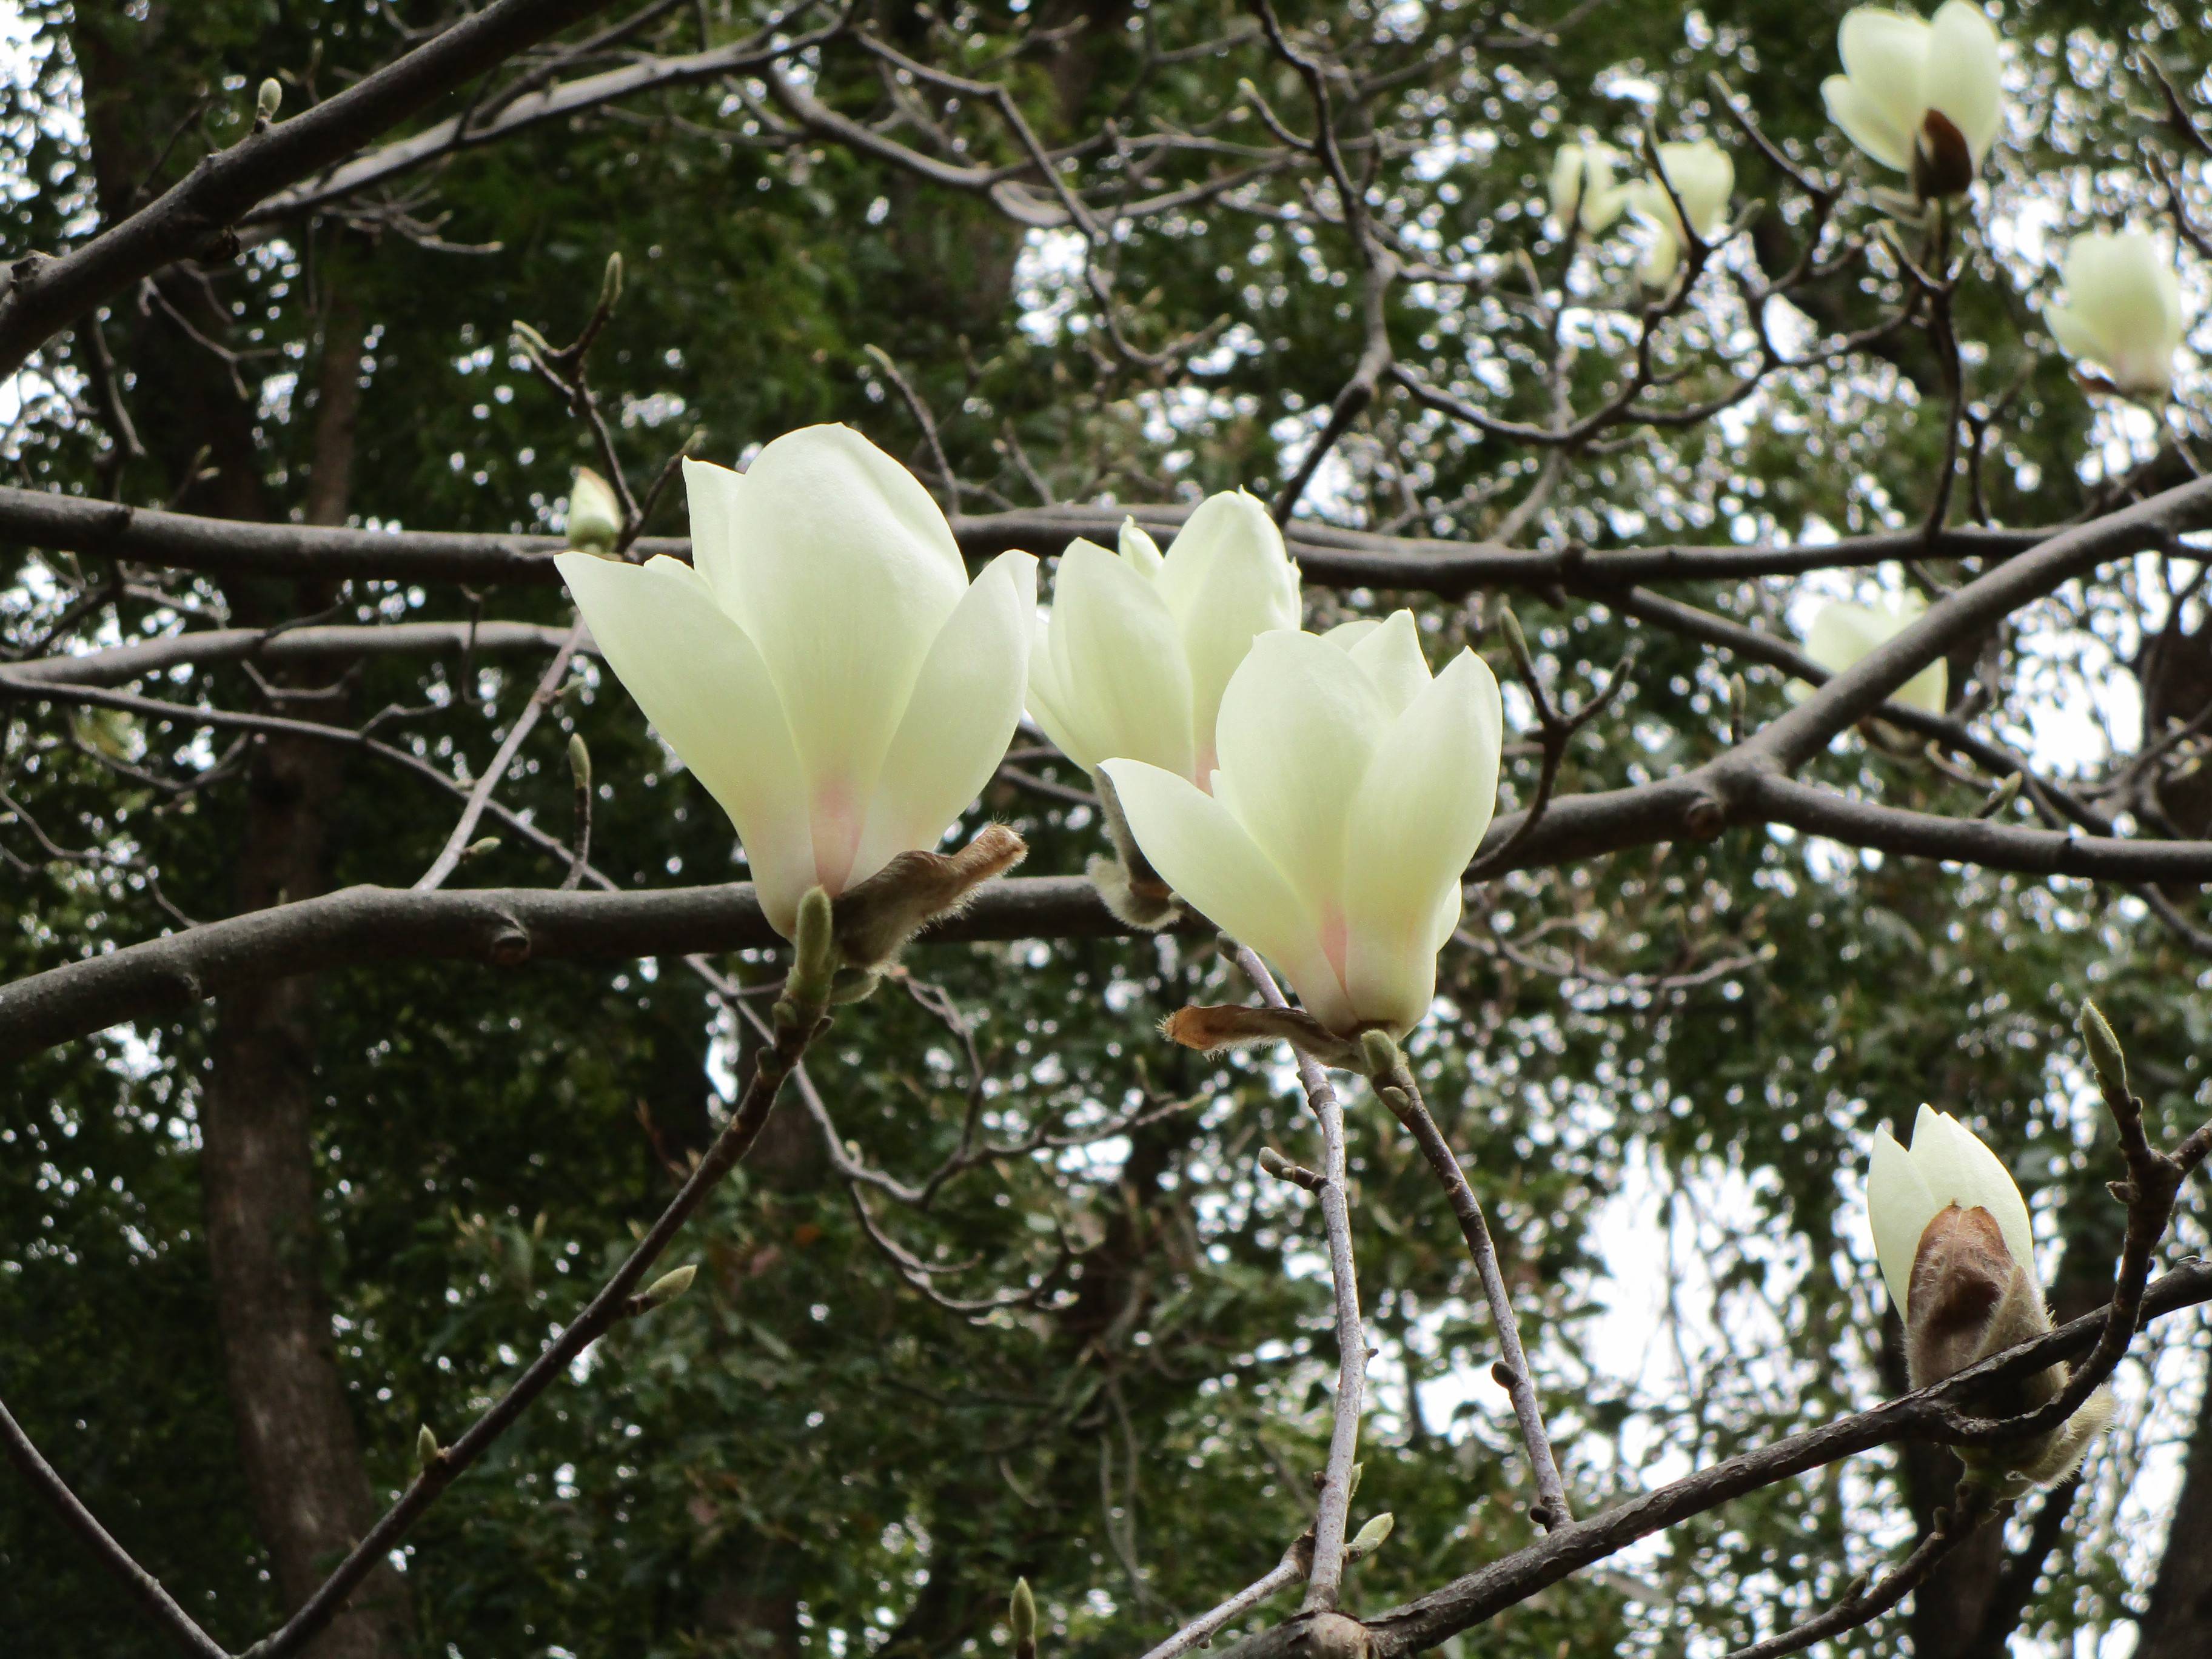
{"x":1703,"y":178}
{"x":2123,"y":311}
{"x":1952,"y":1234}
{"x":1843,"y":632}
{"x":1139,"y":646}
{"x":594,"y":522}
{"x":1582,"y":187}
{"x":1352,"y":792}
{"x":1922,"y":98}
{"x":824,"y":666}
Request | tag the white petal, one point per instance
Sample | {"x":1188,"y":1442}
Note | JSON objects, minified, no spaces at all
{"x":1703,"y":178}
{"x":843,"y":570}
{"x":1206,"y":857}
{"x":1142,"y":552}
{"x":1226,"y":579}
{"x":1421,"y":812}
{"x":1883,"y":53}
{"x":1899,"y":1206}
{"x":1962,"y":75}
{"x":1299,"y":724}
{"x":2075,"y":331}
{"x":713,"y":493}
{"x":1391,"y":654}
{"x":966,"y":704}
{"x":1048,"y":698}
{"x":1960,"y":1169}
{"x":704,"y":687}
{"x":1865,"y":123}
{"x":1119,"y":656}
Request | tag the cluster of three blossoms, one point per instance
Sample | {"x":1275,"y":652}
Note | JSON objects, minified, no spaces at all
{"x":829,"y":672}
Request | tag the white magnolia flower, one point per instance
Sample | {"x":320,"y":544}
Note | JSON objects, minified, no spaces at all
{"x":824,"y":665}
{"x":1908,"y":1188}
{"x":1583,"y":187}
{"x":1139,"y":647}
{"x":1352,"y":792}
{"x":595,"y":517}
{"x":1703,"y":178}
{"x":2123,"y":311}
{"x":1951,"y":1233}
{"x":1922,"y":98}
{"x":1842,"y":633}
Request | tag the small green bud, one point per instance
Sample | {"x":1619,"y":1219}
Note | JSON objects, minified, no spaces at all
{"x":1021,"y":1616}
{"x":2000,"y":798}
{"x":477,"y":849}
{"x":2105,"y":1059}
{"x":595,"y":516}
{"x":1369,"y":1538}
{"x":1379,"y":1054}
{"x":580,"y":761}
{"x":267,"y":101}
{"x":425,"y":1448}
{"x":1274,"y":1163}
{"x":1515,"y":641}
{"x":611,"y":285}
{"x":813,"y":952}
{"x":530,"y":340}
{"x":666,"y":1288}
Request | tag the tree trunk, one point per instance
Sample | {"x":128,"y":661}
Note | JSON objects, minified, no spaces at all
{"x":295,"y":1428}
{"x":2177,"y":1624}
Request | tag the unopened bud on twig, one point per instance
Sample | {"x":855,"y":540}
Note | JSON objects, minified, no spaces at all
{"x":1369,"y":1538}
{"x":2104,"y":1048}
{"x":813,"y":952}
{"x":610,"y":284}
{"x":2000,"y":798}
{"x":1275,"y":1164}
{"x":595,"y":517}
{"x":477,"y":849}
{"x":530,"y":340}
{"x":1380,"y":1053}
{"x":425,"y":1448}
{"x":1022,"y":1619}
{"x":1515,"y":641}
{"x":580,"y":761}
{"x":266,"y":102}
{"x":663,"y":1290}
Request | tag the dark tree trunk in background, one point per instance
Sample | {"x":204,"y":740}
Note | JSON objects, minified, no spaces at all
{"x":301,"y":1453}
{"x":2178,"y":1625}
{"x":297,"y":1440}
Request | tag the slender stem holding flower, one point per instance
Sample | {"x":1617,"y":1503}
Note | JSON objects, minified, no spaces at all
{"x":1325,"y":1584}
{"x":1403,"y":1097}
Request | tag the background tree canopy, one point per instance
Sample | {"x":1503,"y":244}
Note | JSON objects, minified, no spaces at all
{"x":1001,"y":1291}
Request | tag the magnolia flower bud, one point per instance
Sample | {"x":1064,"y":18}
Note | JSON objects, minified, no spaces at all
{"x":1022,"y":1618}
{"x":1370,"y":1538}
{"x":595,"y":516}
{"x":2123,"y":312}
{"x":1922,"y":98}
{"x":426,"y":1447}
{"x":1703,"y":178}
{"x":824,"y":665}
{"x":1138,"y":649}
{"x":1351,"y":792}
{"x":1582,"y":187}
{"x":2106,"y":1057}
{"x":1952,"y":1234}
{"x":268,"y":99}
{"x":1843,"y":632}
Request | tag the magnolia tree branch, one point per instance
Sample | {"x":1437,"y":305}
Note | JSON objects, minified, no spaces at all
{"x":1326,"y":555}
{"x":797,"y":1025}
{"x":49,"y":293}
{"x":1402,"y":1095}
{"x":157,"y":1603}
{"x":1325,"y":1580}
{"x":1490,"y":1589}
